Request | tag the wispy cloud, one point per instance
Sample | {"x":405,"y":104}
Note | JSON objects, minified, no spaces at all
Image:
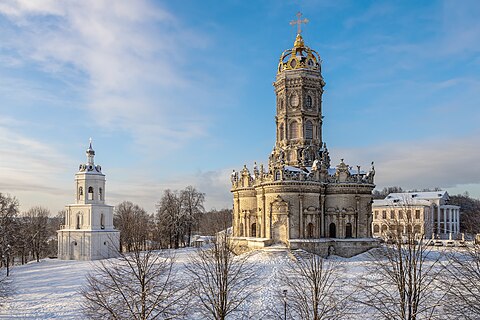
{"x":128,"y":60}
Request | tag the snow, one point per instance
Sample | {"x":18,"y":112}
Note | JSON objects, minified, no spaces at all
{"x":49,"y":289}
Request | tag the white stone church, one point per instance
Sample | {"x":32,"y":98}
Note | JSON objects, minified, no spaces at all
{"x":88,"y":232}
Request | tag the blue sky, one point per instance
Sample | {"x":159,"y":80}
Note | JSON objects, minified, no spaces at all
{"x":175,"y":93}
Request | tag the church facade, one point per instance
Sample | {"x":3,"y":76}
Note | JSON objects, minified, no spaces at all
{"x":300,"y":200}
{"x":88,"y":232}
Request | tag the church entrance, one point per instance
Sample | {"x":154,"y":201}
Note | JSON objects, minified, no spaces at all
{"x":333,"y":230}
{"x":348,"y":230}
{"x":254,"y":230}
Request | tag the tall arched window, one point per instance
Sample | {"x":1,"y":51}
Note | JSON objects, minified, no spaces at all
{"x":100,"y":193}
{"x":293,"y":130}
{"x":348,"y":230}
{"x":253,"y":232}
{"x":80,"y":193}
{"x":79,"y":221}
{"x":308,"y":102}
{"x":102,"y":221}
{"x":308,"y":130}
{"x":90,"y":193}
{"x":281,"y":132}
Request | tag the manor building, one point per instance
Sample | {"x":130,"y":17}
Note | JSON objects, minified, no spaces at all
{"x":428,"y":214}
{"x":299,"y":200}
{"x":88,"y":232}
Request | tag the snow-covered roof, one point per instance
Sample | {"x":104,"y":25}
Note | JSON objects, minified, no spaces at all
{"x":427,"y":195}
{"x":400,"y":202}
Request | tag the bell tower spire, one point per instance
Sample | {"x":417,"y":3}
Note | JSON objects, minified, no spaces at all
{"x":90,"y":154}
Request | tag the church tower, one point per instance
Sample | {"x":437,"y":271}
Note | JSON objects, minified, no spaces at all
{"x":88,"y":232}
{"x":299,"y":88}
{"x":300,"y":200}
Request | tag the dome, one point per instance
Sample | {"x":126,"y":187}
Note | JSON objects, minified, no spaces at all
{"x":299,"y":57}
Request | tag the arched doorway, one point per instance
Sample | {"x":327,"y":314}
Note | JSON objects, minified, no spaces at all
{"x":253,"y":233}
{"x":348,"y":230}
{"x":333,"y":230}
{"x":310,"y":230}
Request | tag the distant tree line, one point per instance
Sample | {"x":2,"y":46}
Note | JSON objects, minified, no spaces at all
{"x":25,"y":236}
{"x":179,"y":215}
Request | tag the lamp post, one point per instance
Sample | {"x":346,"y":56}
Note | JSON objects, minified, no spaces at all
{"x":285,"y":304}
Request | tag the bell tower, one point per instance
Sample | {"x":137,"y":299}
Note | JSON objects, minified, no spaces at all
{"x":299,"y":88}
{"x":88,"y":232}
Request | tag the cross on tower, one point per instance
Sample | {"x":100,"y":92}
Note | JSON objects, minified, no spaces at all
{"x":299,"y":22}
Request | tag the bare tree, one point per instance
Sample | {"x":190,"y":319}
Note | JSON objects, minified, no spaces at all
{"x":462,"y":276}
{"x":137,"y":285}
{"x":170,"y":229}
{"x":134,"y":223}
{"x":8,"y":214}
{"x":192,"y":202}
{"x":35,"y":222}
{"x":220,"y":279}
{"x":402,"y":278}
{"x":313,"y":288}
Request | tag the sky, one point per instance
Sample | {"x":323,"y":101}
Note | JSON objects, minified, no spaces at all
{"x":178,"y":93}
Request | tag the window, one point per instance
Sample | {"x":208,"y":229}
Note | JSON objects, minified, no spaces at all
{"x":102,"y":221}
{"x":392,"y":214}
{"x":293,"y":132}
{"x":80,"y":191}
{"x":100,"y":193}
{"x":400,"y":214}
{"x":281,"y":132}
{"x":308,"y":102}
{"x":308,"y":130}
{"x":384,"y":214}
{"x":417,"y":214}
{"x":376,"y":228}
{"x":376,"y":214}
{"x":90,"y":193}
{"x":79,"y":222}
{"x":409,"y":214}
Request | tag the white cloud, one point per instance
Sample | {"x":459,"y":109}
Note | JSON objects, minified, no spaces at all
{"x":129,"y":59}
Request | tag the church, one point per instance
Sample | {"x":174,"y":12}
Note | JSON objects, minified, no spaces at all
{"x":299,"y":200}
{"x":88,"y":232}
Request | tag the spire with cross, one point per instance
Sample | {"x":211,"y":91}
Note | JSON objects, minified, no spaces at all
{"x":299,"y":22}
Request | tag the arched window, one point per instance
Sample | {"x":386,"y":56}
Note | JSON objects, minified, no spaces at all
{"x":281,"y":132}
{"x":79,"y":221}
{"x":90,"y":193}
{"x":308,"y":102}
{"x":293,"y":130}
{"x":376,"y":228}
{"x":102,"y":220}
{"x":308,"y":130}
{"x":100,"y":193}
{"x":310,"y":229}
{"x":80,"y":193}
{"x":278,"y":175}
{"x":384,"y":228}
{"x":333,"y":230}
{"x":241,"y":230}
{"x":348,"y":230}
{"x":254,"y":230}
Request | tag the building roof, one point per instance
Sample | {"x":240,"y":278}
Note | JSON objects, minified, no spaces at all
{"x":427,"y":195}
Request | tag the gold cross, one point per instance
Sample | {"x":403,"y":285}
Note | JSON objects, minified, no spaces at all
{"x":299,"y":22}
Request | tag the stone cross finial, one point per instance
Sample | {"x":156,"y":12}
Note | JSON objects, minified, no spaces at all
{"x":299,"y":22}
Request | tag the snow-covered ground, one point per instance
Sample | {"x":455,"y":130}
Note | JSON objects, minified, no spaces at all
{"x":49,"y":289}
